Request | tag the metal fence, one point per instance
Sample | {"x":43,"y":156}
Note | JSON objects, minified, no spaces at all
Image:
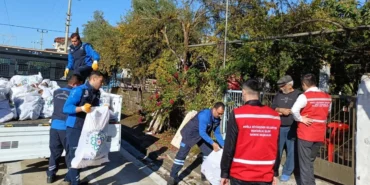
{"x":336,"y":158}
{"x":51,"y":69}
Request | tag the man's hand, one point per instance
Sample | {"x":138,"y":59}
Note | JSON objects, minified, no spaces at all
{"x":224,"y":181}
{"x":216,"y":148}
{"x":283,"y":111}
{"x":307,"y":121}
{"x":66,"y":72}
{"x":275,"y":181}
{"x":95,"y":65}
{"x":86,"y":108}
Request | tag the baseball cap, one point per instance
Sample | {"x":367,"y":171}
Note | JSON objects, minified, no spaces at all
{"x":284,"y":80}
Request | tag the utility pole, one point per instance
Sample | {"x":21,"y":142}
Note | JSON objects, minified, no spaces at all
{"x":67,"y":26}
{"x":225,"y":42}
{"x":42,"y":36}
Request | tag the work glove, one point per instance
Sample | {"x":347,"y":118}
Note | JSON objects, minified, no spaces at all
{"x":95,"y":65}
{"x":66,"y":72}
{"x":86,"y":108}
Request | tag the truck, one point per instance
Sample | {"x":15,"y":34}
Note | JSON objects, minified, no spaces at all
{"x":29,"y":139}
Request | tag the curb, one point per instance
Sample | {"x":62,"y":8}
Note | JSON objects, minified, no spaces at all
{"x":144,"y":168}
{"x":131,"y":152}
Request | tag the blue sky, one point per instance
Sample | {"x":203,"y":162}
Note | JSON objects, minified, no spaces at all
{"x":51,"y":14}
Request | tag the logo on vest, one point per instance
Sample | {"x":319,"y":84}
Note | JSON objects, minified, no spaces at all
{"x":86,"y":94}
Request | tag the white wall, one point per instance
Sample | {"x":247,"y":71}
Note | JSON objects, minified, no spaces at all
{"x":363,"y":132}
{"x":60,"y":47}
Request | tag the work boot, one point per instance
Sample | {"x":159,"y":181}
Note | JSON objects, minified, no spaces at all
{"x":50,"y":179}
{"x":171,"y":181}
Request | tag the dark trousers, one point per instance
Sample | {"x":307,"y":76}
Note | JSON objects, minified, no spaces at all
{"x":57,"y":144}
{"x":234,"y":181}
{"x":83,"y":71}
{"x":205,"y":148}
{"x":73,"y":135}
{"x":287,"y":138}
{"x":307,"y":152}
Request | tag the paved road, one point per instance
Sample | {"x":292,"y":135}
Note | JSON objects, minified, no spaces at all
{"x":121,"y":170}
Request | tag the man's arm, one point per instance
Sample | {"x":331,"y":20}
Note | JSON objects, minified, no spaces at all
{"x":204,"y":119}
{"x":74,"y":98}
{"x":70,"y":61}
{"x":230,"y":144}
{"x":91,"y":52}
{"x":218,"y":136}
{"x":298,"y":105}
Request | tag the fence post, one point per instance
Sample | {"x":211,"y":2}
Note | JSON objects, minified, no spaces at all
{"x":362,"y":132}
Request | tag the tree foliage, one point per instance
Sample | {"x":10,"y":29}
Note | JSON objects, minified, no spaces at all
{"x":153,"y":39}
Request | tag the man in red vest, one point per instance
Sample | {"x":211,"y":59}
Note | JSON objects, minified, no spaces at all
{"x":251,"y":144}
{"x":310,"y":111}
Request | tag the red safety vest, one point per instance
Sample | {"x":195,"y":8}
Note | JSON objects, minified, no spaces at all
{"x":317,"y":108}
{"x":257,"y":143}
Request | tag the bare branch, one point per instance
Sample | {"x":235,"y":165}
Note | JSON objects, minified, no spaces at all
{"x":164,"y":32}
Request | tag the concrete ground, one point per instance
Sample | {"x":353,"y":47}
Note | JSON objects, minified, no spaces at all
{"x":122,"y":169}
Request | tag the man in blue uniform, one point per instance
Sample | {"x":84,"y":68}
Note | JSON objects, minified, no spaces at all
{"x":79,"y":102}
{"x":197,"y":131}
{"x":58,"y":127}
{"x":82,"y":58}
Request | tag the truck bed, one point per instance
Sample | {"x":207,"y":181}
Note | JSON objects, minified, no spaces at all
{"x":25,"y":123}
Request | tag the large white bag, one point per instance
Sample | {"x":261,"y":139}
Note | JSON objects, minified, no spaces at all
{"x":211,"y":167}
{"x":19,"y":80}
{"x":23,"y":90}
{"x":94,"y":144}
{"x":47,"y":107}
{"x":5,"y":87}
{"x":104,"y":98}
{"x":6,"y":113}
{"x":28,"y":106}
{"x":177,"y":138}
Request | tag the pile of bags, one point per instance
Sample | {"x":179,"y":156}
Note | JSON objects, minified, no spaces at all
{"x":26,"y":97}
{"x":6,"y":113}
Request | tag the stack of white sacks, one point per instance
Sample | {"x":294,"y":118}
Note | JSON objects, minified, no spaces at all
{"x":26,"y":97}
{"x":31,"y":97}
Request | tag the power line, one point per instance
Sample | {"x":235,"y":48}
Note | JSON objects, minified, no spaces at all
{"x":7,"y":14}
{"x":27,"y":27}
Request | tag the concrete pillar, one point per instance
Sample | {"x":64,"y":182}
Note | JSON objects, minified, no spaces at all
{"x":362,"y":141}
{"x":324,"y":77}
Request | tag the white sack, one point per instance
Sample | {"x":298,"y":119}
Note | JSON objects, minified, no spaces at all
{"x":47,"y":107}
{"x":94,"y":144}
{"x":23,"y":90}
{"x":28,"y":106}
{"x":5,"y":87}
{"x":47,"y":92}
{"x":177,"y":138}
{"x":211,"y":167}
{"x":6,"y":113}
{"x":104,"y":98}
{"x":19,"y":80}
{"x":14,"y":111}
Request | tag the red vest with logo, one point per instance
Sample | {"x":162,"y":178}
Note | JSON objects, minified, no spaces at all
{"x":257,"y":143}
{"x":317,"y":108}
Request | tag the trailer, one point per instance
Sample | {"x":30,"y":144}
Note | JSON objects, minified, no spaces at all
{"x":20,"y":140}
